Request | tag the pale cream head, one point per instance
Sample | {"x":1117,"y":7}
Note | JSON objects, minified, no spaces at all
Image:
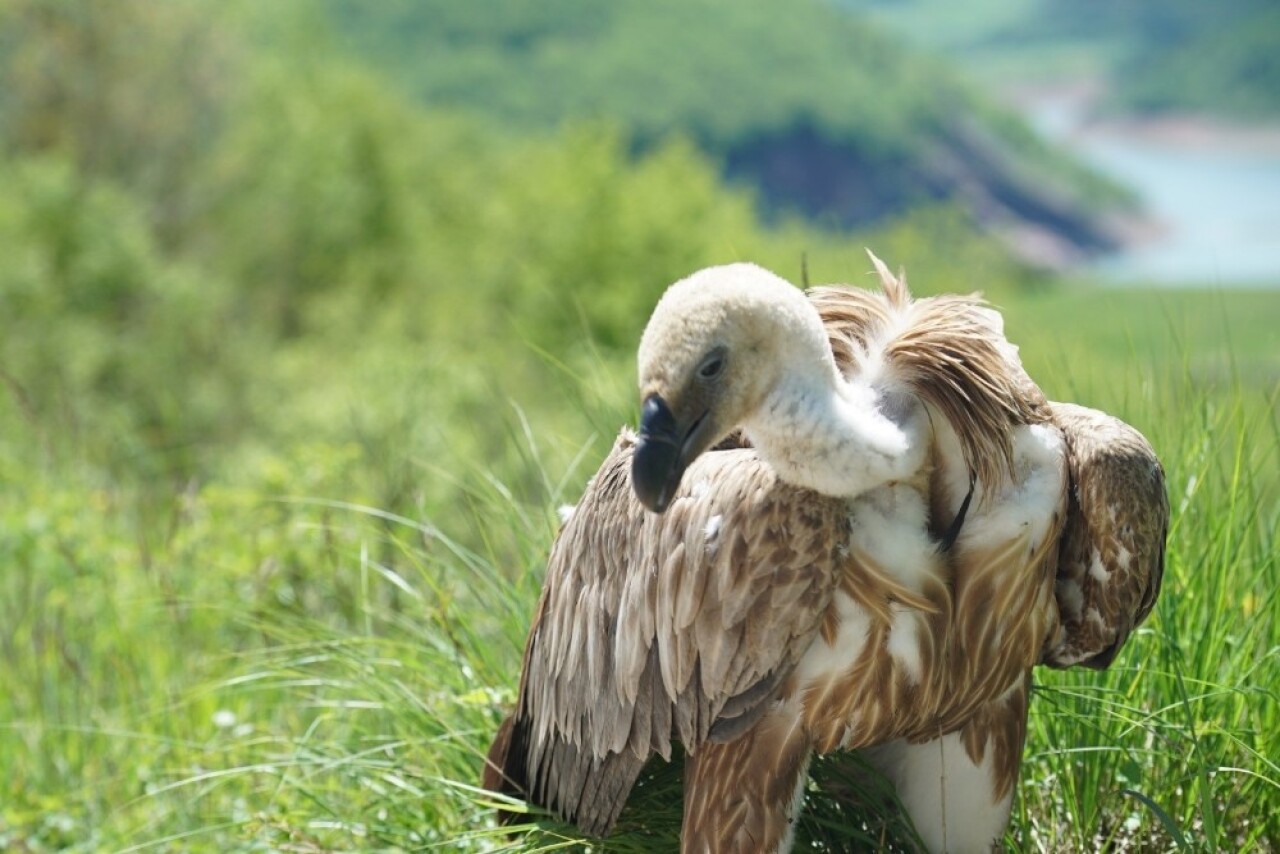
{"x":753,"y":325}
{"x":718,"y":346}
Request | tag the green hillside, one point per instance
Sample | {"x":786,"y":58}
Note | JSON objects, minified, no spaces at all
{"x":814,"y":110}
{"x":1219,"y":58}
{"x":1216,"y":57}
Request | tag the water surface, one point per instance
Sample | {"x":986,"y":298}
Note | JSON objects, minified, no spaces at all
{"x":1213,"y":196}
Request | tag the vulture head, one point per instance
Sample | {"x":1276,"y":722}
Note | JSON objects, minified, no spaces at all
{"x":737,"y":347}
{"x":717,"y":344}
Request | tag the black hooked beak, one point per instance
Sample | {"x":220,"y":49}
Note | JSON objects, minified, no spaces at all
{"x":662,"y":453}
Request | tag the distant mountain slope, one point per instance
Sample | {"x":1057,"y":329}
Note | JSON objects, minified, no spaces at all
{"x":1221,"y":57}
{"x":823,"y":115}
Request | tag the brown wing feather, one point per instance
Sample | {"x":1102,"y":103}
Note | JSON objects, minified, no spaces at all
{"x":1003,"y":613}
{"x":654,"y":627}
{"x":740,"y":796}
{"x":1001,"y":727}
{"x":950,"y":350}
{"x":1112,"y":557}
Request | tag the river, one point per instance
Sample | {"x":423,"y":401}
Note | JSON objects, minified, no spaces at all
{"x":1212,"y":192}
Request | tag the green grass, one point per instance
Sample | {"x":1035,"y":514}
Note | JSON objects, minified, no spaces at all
{"x":255,"y":663}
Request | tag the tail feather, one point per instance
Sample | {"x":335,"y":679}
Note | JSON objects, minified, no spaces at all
{"x":584,"y":792}
{"x":504,"y":767}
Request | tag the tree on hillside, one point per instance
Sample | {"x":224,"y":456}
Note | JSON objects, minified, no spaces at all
{"x":133,"y":91}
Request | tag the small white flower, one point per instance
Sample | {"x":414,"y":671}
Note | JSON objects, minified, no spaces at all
{"x":224,"y":719}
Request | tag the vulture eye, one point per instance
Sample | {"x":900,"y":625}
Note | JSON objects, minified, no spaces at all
{"x":712,"y":366}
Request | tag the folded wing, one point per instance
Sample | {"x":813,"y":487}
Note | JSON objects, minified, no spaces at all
{"x":1112,"y":556}
{"x":653,"y":628}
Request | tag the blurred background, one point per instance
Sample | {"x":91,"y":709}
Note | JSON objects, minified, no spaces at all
{"x":263,"y":262}
{"x":1175,"y":101}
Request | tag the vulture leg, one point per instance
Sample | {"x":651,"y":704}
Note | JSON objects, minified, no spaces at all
{"x":958,"y":789}
{"x":744,"y":795}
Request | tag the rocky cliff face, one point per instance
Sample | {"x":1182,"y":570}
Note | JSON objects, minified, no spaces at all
{"x":840,"y":184}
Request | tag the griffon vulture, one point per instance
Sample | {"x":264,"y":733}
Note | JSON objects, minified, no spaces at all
{"x":876,"y":566}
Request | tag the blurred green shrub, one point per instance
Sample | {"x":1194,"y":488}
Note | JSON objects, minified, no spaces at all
{"x":216,"y":251}
{"x":106,"y":342}
{"x":132,"y":91}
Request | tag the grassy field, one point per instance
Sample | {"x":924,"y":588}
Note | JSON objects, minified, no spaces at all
{"x":1177,"y":741}
{"x":294,"y":372}
{"x":276,"y":657}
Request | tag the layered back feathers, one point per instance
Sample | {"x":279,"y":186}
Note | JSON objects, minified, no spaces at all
{"x":948,"y":350}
